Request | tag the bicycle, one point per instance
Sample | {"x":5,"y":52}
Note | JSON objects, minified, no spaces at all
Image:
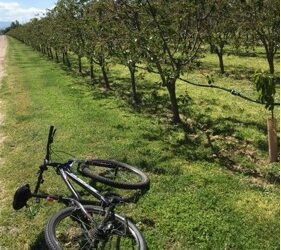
{"x":88,"y":224}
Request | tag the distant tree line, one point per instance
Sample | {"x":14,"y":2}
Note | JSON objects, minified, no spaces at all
{"x":163,"y":36}
{"x":13,"y":25}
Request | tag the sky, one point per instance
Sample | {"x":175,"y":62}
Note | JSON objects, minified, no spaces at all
{"x":23,"y":10}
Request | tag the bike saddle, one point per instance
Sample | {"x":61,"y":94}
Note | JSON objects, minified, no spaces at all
{"x":22,"y":195}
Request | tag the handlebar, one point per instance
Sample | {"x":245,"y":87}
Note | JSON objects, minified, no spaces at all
{"x":51,"y":135}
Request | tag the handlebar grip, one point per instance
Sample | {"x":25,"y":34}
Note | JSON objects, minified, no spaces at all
{"x":50,"y":141}
{"x":50,"y":137}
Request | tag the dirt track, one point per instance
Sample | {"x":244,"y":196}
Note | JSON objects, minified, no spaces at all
{"x":3,"y":47}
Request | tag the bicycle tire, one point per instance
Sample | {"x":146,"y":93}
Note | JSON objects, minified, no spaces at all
{"x":53,"y":238}
{"x":131,"y":177}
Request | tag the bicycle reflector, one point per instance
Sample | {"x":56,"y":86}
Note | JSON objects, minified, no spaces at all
{"x":21,"y":197}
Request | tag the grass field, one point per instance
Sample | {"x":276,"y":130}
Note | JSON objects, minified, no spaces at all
{"x":197,"y":200}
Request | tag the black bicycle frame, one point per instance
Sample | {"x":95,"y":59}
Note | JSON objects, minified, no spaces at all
{"x":66,"y":175}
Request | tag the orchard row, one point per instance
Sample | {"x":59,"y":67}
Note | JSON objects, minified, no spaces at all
{"x":164,"y":37}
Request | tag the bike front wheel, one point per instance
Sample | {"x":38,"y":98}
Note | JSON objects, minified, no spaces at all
{"x":69,"y":229}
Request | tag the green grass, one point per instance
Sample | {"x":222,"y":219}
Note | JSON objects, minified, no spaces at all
{"x":195,"y":201}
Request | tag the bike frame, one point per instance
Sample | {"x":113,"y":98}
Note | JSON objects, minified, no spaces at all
{"x":66,"y":174}
{"x":63,"y":171}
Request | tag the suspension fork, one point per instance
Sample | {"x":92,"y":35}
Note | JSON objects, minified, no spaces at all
{"x":40,"y":179}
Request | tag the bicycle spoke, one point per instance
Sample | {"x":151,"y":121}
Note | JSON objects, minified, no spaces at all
{"x":76,"y":218}
{"x":119,"y":232}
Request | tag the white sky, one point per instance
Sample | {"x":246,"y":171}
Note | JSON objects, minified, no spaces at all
{"x":11,"y":11}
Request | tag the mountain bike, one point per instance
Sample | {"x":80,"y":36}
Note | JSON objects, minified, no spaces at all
{"x":87,"y":223}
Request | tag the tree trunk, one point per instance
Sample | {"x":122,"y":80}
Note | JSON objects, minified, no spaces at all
{"x":48,"y":52}
{"x":132,"y":69}
{"x":171,"y":86}
{"x":220,"y":55}
{"x":68,"y":64}
{"x":51,"y":53}
{"x":79,"y":64}
{"x":270,"y":59}
{"x":57,"y":57}
{"x":219,"y":51}
{"x":269,"y":49}
{"x":212,"y":50}
{"x":105,"y":78}
{"x":63,"y":58}
{"x":92,"y":70}
{"x":272,"y":139}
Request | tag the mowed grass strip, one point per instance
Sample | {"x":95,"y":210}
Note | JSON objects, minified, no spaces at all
{"x":192,"y":203}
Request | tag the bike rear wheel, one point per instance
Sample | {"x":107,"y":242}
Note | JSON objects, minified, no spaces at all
{"x":68,"y":229}
{"x":115,"y":174}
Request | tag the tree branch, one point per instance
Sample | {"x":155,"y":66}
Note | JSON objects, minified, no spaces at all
{"x":231,"y":91}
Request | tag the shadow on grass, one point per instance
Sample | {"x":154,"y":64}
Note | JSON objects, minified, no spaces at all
{"x":237,"y":72}
{"x":230,"y":164}
{"x":233,"y":71}
{"x":40,"y":243}
{"x":252,"y":53}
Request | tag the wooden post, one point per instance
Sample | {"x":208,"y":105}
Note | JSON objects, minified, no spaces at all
{"x":272,"y":139}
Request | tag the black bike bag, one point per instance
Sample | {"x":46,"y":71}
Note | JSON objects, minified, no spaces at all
{"x":21,"y":197}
